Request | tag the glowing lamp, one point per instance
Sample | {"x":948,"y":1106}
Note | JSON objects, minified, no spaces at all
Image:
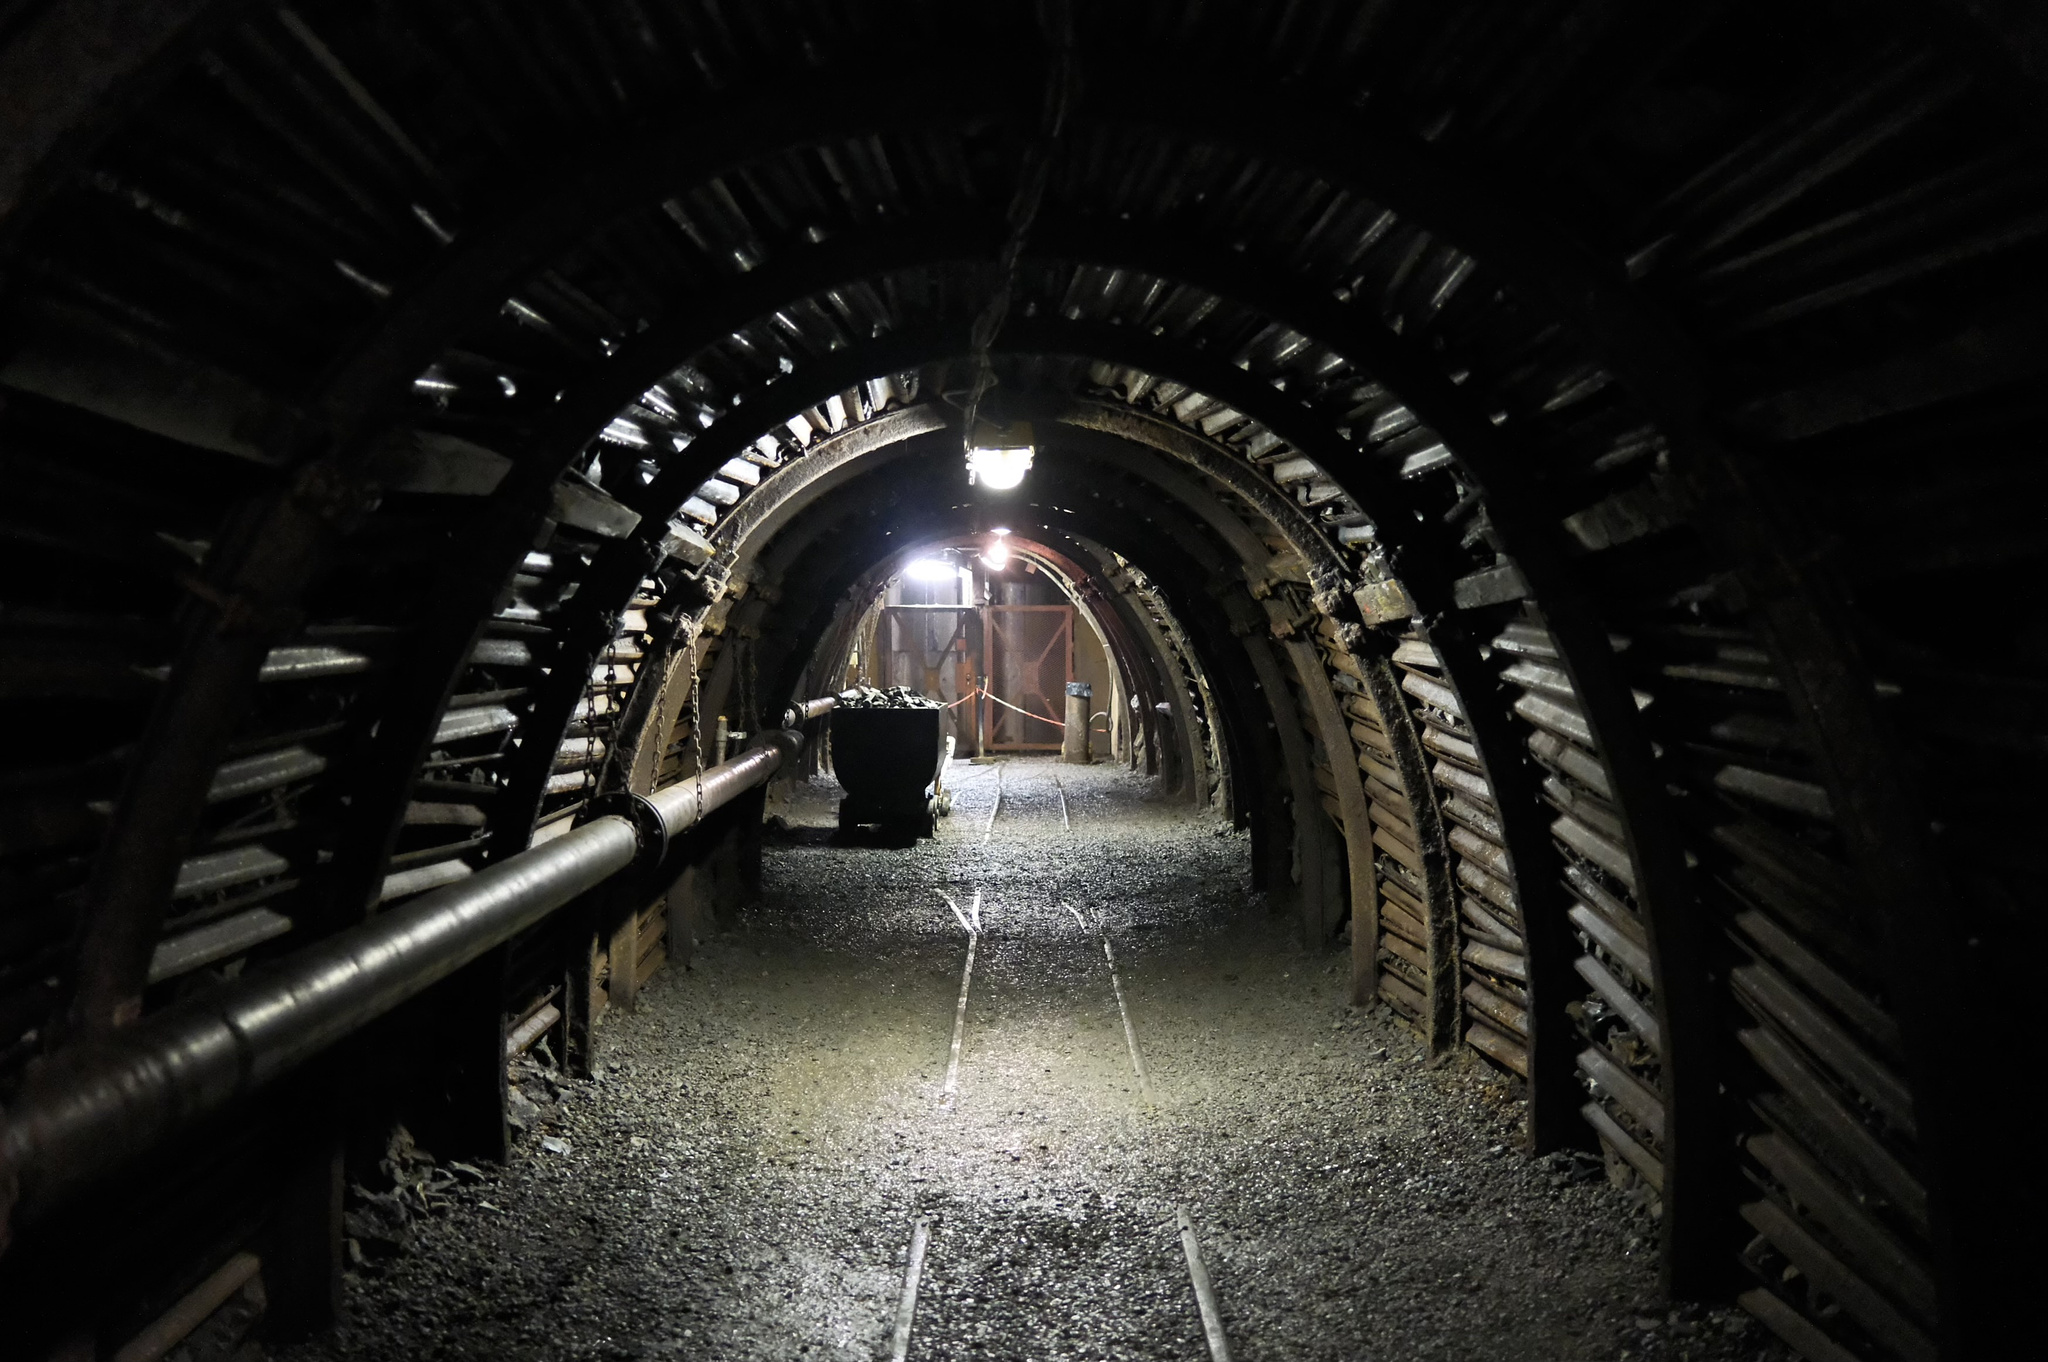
{"x":998,"y":468}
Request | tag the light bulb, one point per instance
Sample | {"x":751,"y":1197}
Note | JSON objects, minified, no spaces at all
{"x":998,"y":469}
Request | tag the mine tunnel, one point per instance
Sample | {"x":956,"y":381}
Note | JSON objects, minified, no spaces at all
{"x":749,"y":679}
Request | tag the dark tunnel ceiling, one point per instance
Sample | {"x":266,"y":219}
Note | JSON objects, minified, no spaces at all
{"x":1598,"y":427}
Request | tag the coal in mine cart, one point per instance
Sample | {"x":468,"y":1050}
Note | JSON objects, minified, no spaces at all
{"x":888,"y":749}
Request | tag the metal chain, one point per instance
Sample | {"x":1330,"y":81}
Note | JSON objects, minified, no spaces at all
{"x":696,"y":709}
{"x":1056,"y":22}
{"x":668,"y":673}
{"x":594,"y":770}
{"x":613,"y":762}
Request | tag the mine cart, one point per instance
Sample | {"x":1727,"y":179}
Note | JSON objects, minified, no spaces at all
{"x":888,"y":760}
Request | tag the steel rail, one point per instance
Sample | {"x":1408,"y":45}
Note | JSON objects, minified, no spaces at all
{"x":100,"y":1105}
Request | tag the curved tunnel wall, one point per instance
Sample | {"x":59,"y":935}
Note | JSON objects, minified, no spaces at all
{"x":1608,"y":479}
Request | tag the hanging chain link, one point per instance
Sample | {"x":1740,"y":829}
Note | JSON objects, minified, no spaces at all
{"x":615,"y":761}
{"x":696,"y":709}
{"x":594,"y":770}
{"x":659,"y":713}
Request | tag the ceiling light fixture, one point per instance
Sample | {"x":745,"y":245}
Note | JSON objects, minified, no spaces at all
{"x":999,"y":455}
{"x":998,"y":469}
{"x":997,"y":555}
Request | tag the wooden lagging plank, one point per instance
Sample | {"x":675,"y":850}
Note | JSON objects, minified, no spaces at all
{"x":1457,"y":750}
{"x":1483,"y":924}
{"x":1389,"y":841}
{"x":1808,"y":1339}
{"x":1862,"y":1235}
{"x":1410,"y":863}
{"x":1495,"y":892}
{"x":1479,"y":820}
{"x":1397,"y":891}
{"x":1495,"y":961}
{"x":1841,"y":1235}
{"x":1626,"y":1093}
{"x":1464,"y":784}
{"x":1403,"y":877}
{"x":1403,"y":944}
{"x":1490,"y":962}
{"x":1399,"y":920}
{"x":1498,"y":1048}
{"x":1401,"y":948}
{"x":1379,"y":791}
{"x":1870,"y":1309}
{"x":1403,"y":995}
{"x":1808,"y":1107}
{"x":1880,"y":1090}
{"x":1361,"y":708}
{"x":1401,"y":961}
{"x":1378,"y":769}
{"x":1630,"y":1150}
{"x":1620,"y":1067}
{"x":1573,"y":800}
{"x":1763,"y":936}
{"x":1396,"y":819}
{"x":1366,"y":725}
{"x":1413,"y":993}
{"x":1620,"y":914}
{"x":1484,"y":1004}
{"x":1489,"y":856}
{"x":1600,"y":932}
{"x":1854,"y":1232}
{"x":1619,"y":999}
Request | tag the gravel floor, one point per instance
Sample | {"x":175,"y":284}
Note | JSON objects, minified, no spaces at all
{"x":743,"y":1178}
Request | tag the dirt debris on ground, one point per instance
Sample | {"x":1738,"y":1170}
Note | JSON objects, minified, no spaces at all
{"x":741,"y":1178}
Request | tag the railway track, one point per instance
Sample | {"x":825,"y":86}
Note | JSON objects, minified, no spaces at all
{"x":1180,"y":1227}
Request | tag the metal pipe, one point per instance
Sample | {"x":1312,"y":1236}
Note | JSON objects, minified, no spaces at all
{"x":101,"y":1104}
{"x":680,"y":805}
{"x":800,"y":714}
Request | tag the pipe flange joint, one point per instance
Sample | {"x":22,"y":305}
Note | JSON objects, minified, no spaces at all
{"x":641,"y":813}
{"x":789,"y":741}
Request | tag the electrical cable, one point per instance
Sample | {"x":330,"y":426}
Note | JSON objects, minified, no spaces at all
{"x":1056,"y":22}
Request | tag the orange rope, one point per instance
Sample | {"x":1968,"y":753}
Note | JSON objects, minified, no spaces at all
{"x":978,"y":691}
{"x":1056,"y":723}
